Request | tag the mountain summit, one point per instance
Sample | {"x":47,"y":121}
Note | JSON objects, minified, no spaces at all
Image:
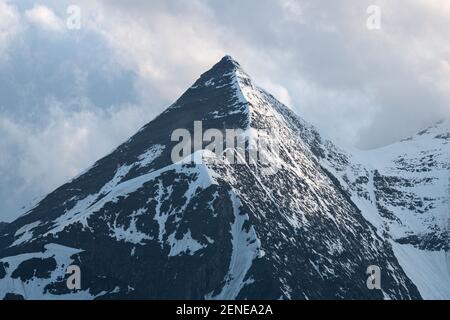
{"x":308,"y":222}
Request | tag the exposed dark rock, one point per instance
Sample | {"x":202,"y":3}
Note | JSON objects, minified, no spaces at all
{"x":13,"y":296}
{"x":35,"y":267}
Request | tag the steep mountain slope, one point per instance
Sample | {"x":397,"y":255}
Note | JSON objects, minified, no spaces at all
{"x":141,"y":226}
{"x":403,"y":190}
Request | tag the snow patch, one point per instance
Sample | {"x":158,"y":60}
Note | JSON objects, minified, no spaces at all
{"x":186,"y":245}
{"x":33,"y":288}
{"x":246,"y":247}
{"x":426,"y":269}
{"x":150,"y":155}
{"x":25,"y":233}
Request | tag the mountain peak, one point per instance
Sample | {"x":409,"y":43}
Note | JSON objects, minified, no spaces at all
{"x":228,"y":60}
{"x":157,"y":228}
{"x":225,"y":79}
{"x":225,"y":67}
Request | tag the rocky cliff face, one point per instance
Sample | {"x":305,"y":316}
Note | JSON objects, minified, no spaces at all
{"x":305,"y":223}
{"x":403,"y":190}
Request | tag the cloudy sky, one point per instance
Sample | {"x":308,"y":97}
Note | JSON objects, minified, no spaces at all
{"x":69,"y":95}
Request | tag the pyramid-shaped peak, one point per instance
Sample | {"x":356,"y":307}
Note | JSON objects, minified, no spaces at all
{"x":226,"y":78}
{"x":229,"y":60}
{"x":226,"y":66}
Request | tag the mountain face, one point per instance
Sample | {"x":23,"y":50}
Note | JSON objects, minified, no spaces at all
{"x":306,"y":223}
{"x":404,"y":189}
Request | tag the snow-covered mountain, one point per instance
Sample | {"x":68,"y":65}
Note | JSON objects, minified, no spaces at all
{"x":403,"y":190}
{"x":306,"y":226}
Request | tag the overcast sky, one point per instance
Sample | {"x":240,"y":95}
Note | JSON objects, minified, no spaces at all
{"x":69,"y":96}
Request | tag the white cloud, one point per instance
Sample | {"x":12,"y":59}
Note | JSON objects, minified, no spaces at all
{"x":292,"y":10}
{"x":278,"y":91}
{"x":364,"y":82}
{"x":167,"y":48}
{"x":9,"y":27}
{"x":44,"y":18}
{"x":37,"y":159}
